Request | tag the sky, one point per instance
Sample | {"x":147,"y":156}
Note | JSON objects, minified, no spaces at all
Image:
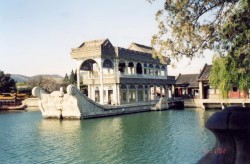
{"x":36,"y":36}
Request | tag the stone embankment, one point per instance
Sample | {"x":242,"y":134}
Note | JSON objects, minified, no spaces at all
{"x":31,"y":102}
{"x":215,"y":103}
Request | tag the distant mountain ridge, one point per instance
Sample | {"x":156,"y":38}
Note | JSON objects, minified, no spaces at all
{"x":23,"y":78}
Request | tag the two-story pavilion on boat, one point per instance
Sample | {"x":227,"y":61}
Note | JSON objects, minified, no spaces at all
{"x":116,"y":75}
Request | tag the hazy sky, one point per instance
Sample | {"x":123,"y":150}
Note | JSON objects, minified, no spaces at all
{"x":36,"y":36}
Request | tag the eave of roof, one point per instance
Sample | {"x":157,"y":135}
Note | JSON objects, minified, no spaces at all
{"x":204,"y":75}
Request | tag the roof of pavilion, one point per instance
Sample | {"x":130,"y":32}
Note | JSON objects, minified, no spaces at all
{"x":187,"y":80}
{"x":103,"y":47}
{"x":140,"y":47}
{"x":205,"y":72}
{"x":94,"y":43}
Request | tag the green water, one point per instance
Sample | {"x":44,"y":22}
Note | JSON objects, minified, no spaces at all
{"x":152,"y":137}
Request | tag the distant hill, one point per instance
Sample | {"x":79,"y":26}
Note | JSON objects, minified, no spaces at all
{"x":50,"y":76}
{"x":23,"y":78}
{"x":20,"y":78}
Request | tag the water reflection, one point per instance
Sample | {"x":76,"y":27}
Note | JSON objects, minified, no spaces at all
{"x":153,"y":137}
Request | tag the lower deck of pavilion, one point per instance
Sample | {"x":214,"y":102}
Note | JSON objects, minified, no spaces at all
{"x":118,"y":94}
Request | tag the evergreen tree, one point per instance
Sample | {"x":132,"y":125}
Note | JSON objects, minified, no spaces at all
{"x":72,"y":77}
{"x":7,"y":84}
{"x":66,"y":79}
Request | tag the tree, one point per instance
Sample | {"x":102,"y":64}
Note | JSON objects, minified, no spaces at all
{"x":188,"y":27}
{"x":233,"y":69}
{"x":46,"y":83}
{"x":220,"y":25}
{"x":219,"y":77}
{"x":66,"y":79}
{"x":72,"y":79}
{"x":7,"y":84}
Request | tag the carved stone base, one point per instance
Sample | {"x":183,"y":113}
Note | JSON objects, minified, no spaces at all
{"x":231,"y":128}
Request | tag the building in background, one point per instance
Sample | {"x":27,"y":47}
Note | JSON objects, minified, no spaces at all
{"x":186,"y":86}
{"x":209,"y":92}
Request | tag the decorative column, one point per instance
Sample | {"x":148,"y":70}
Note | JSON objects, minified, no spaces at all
{"x":134,"y":70}
{"x":149,"y":93}
{"x":107,"y":94}
{"x":142,"y":65}
{"x":101,"y":82}
{"x":116,"y":68}
{"x":126,"y":68}
{"x":201,"y":90}
{"x":143,"y":94}
{"x":128,"y":94}
{"x":166,"y":91}
{"x":154,"y":92}
{"x":136,"y":93}
{"x":116,"y":94}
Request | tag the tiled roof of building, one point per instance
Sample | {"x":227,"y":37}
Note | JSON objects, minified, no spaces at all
{"x":103,"y":47}
{"x":189,"y":79}
{"x":140,"y":47}
{"x":94,"y":43}
{"x":204,"y":75}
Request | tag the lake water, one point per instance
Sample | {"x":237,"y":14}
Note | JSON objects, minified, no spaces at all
{"x":174,"y":136}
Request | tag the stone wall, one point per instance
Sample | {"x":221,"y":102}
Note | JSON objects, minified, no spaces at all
{"x":192,"y":103}
{"x":31,"y":102}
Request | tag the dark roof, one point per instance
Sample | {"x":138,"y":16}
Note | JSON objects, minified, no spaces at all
{"x":204,"y":75}
{"x":187,"y":79}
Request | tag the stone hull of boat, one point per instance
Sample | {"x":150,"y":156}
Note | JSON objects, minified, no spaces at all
{"x":75,"y":105}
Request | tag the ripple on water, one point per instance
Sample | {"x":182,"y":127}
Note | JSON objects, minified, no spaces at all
{"x":154,"y":137}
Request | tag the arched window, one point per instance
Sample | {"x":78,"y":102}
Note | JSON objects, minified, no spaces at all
{"x":138,"y":68}
{"x":163,"y":71}
{"x":157,"y":69}
{"x":122,"y":67}
{"x":107,"y":63}
{"x":87,"y":65}
{"x":89,"y":69}
{"x":108,"y":67}
{"x":151,"y":69}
